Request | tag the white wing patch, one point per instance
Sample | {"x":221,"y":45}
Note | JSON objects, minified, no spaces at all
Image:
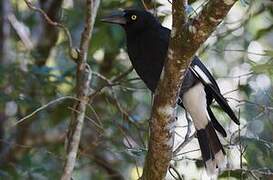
{"x":197,"y":71}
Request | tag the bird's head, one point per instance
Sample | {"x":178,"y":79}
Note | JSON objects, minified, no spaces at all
{"x":132,"y":20}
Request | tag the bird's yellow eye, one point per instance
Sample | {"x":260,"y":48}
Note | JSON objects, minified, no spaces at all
{"x":133,"y":17}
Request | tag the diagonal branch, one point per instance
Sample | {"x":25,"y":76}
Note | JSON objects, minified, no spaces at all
{"x":52,"y":22}
{"x":162,"y":121}
{"x":44,"y":107}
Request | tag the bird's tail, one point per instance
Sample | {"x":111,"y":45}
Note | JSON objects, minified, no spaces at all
{"x":212,"y":150}
{"x":195,"y":102}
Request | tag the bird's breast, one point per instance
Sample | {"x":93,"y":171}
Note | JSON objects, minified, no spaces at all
{"x":147,"y":55}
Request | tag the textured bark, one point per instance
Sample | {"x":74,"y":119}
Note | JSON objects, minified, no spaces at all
{"x":179,"y":56}
{"x":82,"y":87}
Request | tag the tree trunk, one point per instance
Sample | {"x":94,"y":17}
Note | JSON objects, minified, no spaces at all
{"x":180,"y":54}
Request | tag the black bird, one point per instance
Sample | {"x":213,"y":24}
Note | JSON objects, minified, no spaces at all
{"x":147,"y":45}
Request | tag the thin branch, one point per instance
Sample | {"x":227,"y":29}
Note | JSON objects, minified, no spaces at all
{"x":44,"y":107}
{"x":259,"y":171}
{"x":121,"y":76}
{"x":128,"y":117}
{"x":242,"y":51}
{"x":179,"y":177}
{"x":188,"y":138}
{"x":186,"y":152}
{"x":96,"y":115}
{"x":89,"y":119}
{"x":109,"y":83}
{"x":239,"y":134}
{"x":82,"y":90}
{"x":51,"y":22}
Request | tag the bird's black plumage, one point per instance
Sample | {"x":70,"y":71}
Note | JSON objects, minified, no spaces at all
{"x":147,"y":45}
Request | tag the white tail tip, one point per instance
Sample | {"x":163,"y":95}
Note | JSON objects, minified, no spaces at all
{"x":219,"y":161}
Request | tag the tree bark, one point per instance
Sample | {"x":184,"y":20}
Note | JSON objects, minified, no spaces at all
{"x":186,"y":38}
{"x":82,"y":87}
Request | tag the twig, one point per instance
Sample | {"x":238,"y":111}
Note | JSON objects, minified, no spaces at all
{"x":108,"y":82}
{"x":53,"y":23}
{"x":96,"y":115}
{"x":184,"y":143}
{"x":260,"y":171}
{"x":186,"y":152}
{"x":15,"y":144}
{"x":239,"y":131}
{"x":44,"y":107}
{"x":121,"y":76}
{"x":88,"y":118}
{"x":263,"y":171}
{"x":128,"y":117}
{"x":179,"y":177}
{"x":242,"y":51}
{"x":188,"y":138}
{"x":252,"y":174}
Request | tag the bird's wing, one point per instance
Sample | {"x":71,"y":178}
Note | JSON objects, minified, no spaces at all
{"x":201,"y":72}
{"x":164,"y":34}
{"x":196,"y":61}
{"x":190,"y":81}
{"x":215,"y":123}
{"x":212,"y":88}
{"x":195,"y":102}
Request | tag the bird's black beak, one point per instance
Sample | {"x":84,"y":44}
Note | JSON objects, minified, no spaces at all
{"x":115,"y":18}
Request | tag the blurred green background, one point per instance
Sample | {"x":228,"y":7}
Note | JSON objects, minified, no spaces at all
{"x":35,"y":69}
